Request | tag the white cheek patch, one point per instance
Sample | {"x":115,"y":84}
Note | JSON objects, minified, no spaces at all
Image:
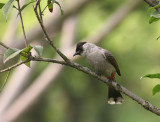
{"x":83,"y":54}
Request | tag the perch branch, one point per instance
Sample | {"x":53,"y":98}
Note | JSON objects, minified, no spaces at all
{"x":148,"y":106}
{"x":20,"y":14}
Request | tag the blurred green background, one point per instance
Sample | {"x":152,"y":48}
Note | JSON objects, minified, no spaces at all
{"x":77,"y":97}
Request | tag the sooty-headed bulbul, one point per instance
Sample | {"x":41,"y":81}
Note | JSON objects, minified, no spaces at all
{"x":103,"y":62}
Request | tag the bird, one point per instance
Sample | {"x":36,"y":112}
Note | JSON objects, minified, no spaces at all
{"x":103,"y":63}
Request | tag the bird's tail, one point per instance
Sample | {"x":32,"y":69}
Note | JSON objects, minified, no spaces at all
{"x":114,"y":96}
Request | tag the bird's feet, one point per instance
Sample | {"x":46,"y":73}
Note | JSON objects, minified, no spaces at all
{"x":112,"y":77}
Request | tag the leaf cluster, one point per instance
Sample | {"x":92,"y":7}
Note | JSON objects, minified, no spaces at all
{"x":23,"y":53}
{"x":6,"y":7}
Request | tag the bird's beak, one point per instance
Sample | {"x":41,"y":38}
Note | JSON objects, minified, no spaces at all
{"x":76,"y":53}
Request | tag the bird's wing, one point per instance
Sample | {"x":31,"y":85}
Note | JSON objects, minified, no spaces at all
{"x":109,"y":57}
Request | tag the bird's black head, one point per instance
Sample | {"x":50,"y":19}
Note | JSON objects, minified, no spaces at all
{"x":79,"y":48}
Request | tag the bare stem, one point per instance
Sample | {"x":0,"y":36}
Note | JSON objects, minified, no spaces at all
{"x":14,"y":66}
{"x":40,"y":12}
{"x":44,"y":9}
{"x":19,"y":9}
{"x":5,"y":46}
{"x":5,"y":81}
{"x":46,"y":34}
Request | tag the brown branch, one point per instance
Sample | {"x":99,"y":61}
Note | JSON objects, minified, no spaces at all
{"x":20,"y":14}
{"x":48,"y":60}
{"x":148,"y":106}
{"x":153,"y":3}
{"x":5,"y":46}
{"x":46,"y":34}
{"x":145,"y":104}
{"x":40,"y":11}
{"x":14,"y":66}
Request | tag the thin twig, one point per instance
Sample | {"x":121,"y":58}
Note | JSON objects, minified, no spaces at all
{"x":48,"y":60}
{"x":5,"y":46}
{"x":46,"y":34}
{"x":44,"y":8}
{"x":5,"y":81}
{"x":40,"y":12}
{"x":19,"y":9}
{"x":14,"y":66}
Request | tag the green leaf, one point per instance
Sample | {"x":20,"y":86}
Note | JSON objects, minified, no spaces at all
{"x":156,"y":89}
{"x":157,"y":75}
{"x":10,"y":53}
{"x":38,"y":49}
{"x":60,"y":7}
{"x":24,"y":6}
{"x":7,"y":7}
{"x":155,"y":16}
{"x":26,"y":50}
{"x":153,"y":19}
{"x":23,"y":59}
{"x":1,"y":5}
